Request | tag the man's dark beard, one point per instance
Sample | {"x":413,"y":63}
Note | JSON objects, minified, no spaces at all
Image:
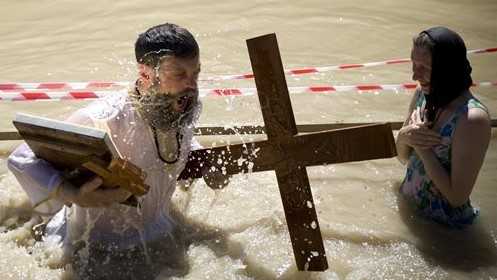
{"x":157,"y":109}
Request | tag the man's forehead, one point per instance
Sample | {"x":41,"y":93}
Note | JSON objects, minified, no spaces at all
{"x":179,"y":63}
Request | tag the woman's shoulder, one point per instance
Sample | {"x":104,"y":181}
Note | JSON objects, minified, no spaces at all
{"x":476,"y":111}
{"x":475,"y":103}
{"x":476,"y":117}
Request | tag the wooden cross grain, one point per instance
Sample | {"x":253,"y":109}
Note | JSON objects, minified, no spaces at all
{"x":288,"y":153}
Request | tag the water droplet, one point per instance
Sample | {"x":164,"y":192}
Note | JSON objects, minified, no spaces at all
{"x":309,"y":204}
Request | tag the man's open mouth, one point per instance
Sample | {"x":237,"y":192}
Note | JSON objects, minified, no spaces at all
{"x":184,"y":103}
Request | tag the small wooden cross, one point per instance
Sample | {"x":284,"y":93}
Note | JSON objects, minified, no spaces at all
{"x":288,"y":153}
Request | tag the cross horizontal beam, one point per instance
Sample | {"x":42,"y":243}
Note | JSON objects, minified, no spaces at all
{"x":335,"y":146}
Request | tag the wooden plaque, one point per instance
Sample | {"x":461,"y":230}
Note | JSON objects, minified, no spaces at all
{"x":79,"y":152}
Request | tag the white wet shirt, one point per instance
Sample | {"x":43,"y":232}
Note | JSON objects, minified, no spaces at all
{"x":121,"y":225}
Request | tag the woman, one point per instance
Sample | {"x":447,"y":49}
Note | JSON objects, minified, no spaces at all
{"x":447,"y":131}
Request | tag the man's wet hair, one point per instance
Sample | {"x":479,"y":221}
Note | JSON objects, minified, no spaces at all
{"x":164,"y":40}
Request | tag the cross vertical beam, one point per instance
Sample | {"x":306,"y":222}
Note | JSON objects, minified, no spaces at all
{"x":300,"y":211}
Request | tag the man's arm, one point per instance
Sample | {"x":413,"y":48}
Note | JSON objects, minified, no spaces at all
{"x":37,"y":177}
{"x":213,"y":178}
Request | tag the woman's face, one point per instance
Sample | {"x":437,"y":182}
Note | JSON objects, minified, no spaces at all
{"x":421,"y":67}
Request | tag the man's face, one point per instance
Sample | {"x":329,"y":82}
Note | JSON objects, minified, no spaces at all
{"x":421,"y":67}
{"x":172,"y":94}
{"x":177,"y":77}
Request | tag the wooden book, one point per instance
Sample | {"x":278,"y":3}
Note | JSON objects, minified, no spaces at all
{"x":80,"y":152}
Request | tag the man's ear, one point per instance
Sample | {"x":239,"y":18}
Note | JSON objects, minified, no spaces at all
{"x":145,"y":75}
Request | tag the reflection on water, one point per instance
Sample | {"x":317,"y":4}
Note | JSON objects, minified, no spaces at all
{"x":464,"y":250}
{"x":165,"y":257}
{"x":240,"y":233}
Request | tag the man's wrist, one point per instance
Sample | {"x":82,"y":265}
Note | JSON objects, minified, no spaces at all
{"x":55,"y":193}
{"x":65,"y":192}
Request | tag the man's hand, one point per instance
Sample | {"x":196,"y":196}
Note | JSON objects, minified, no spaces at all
{"x":417,"y":133}
{"x":215,"y":179}
{"x":90,"y":194}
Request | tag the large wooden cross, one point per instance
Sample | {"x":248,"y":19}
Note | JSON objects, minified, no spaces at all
{"x":288,"y":153}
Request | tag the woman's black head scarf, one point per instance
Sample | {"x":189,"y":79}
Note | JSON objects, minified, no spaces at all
{"x":450,"y":70}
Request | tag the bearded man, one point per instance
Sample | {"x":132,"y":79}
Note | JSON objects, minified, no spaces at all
{"x":152,"y":127}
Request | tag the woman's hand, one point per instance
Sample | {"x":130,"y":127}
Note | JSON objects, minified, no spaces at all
{"x":417,"y":133}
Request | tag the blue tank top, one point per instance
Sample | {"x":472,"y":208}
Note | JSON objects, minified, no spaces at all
{"x":419,"y":188}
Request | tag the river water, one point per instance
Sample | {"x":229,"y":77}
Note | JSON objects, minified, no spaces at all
{"x":368,"y":232}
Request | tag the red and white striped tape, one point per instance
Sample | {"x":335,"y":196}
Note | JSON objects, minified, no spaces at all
{"x":60,"y":86}
{"x":322,"y":89}
{"x":323,"y":69}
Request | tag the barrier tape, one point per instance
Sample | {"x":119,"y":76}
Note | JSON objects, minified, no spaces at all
{"x":61,"y":86}
{"x":321,"y":89}
{"x":311,"y":70}
{"x":323,"y":69}
{"x":292,"y":72}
